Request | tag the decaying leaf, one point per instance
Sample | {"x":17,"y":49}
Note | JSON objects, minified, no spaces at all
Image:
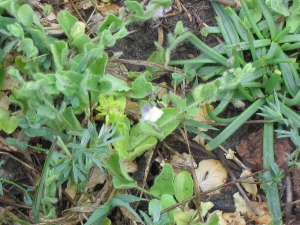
{"x":230,"y":154}
{"x":251,"y":145}
{"x":4,"y":101}
{"x":248,"y":183}
{"x":181,"y":162}
{"x":96,"y":177}
{"x":108,"y":8}
{"x":202,"y":117}
{"x":162,"y":90}
{"x":261,"y":207}
{"x":132,"y":107}
{"x":130,"y":166}
{"x":85,"y":4}
{"x":199,"y":139}
{"x":210,"y":174}
{"x":233,"y":218}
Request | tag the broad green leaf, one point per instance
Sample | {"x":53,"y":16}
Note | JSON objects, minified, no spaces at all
{"x":139,"y":144}
{"x":66,"y":21}
{"x":167,"y":201}
{"x":169,"y":120}
{"x":99,"y":64}
{"x":140,"y":88}
{"x":278,"y":6}
{"x":184,"y":185}
{"x":177,"y":101}
{"x":19,"y":62}
{"x":26,"y":15}
{"x":8,"y":123}
{"x":116,"y":168}
{"x":70,"y":122}
{"x":16,"y":30}
{"x":163,"y":183}
{"x":28,"y":47}
{"x":60,"y":52}
{"x":117,"y":84}
{"x":293,"y":21}
{"x":111,"y":22}
{"x":79,"y":41}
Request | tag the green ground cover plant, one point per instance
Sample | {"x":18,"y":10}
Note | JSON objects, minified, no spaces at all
{"x":61,"y":81}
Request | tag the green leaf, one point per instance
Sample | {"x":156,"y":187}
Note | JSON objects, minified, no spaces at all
{"x":8,"y":123}
{"x":278,"y":6}
{"x":116,"y":168}
{"x":139,"y":144}
{"x":163,"y":183}
{"x":70,"y":121}
{"x":117,"y":84}
{"x":2,"y":75}
{"x":178,"y":101}
{"x":79,"y":41}
{"x":140,"y":88}
{"x":167,"y":201}
{"x":16,"y":30}
{"x":60,"y":52}
{"x":66,"y":21}
{"x":28,"y":47}
{"x":111,"y":22}
{"x":26,"y":15}
{"x":184,"y":185}
{"x":169,"y":120}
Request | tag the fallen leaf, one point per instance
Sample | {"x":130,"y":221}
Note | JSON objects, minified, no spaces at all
{"x":252,"y":144}
{"x":84,"y":4}
{"x":261,"y":207}
{"x":199,"y":140}
{"x":202,"y":116}
{"x":132,"y":107}
{"x":233,"y":218}
{"x":210,"y":174}
{"x":296,"y":189}
{"x":162,"y":90}
{"x":96,"y":177}
{"x":230,"y":154}
{"x":9,"y":84}
{"x":4,"y":101}
{"x":130,"y":166}
{"x":108,"y":8}
{"x":181,"y":162}
{"x":249,"y":183}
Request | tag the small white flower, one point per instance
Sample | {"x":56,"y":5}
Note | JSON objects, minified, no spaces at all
{"x":151,"y":113}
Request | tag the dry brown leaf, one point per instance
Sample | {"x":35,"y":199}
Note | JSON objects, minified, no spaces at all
{"x":248,"y":183}
{"x":97,"y":176}
{"x":108,"y":8}
{"x":210,"y":174}
{"x":233,"y":218}
{"x":9,"y":84}
{"x":162,"y":90}
{"x":130,"y":166}
{"x":181,"y":162}
{"x":71,"y":191}
{"x":199,"y":139}
{"x":4,"y":101}
{"x":262,"y":209}
{"x":132,"y":107}
{"x":202,"y":116}
{"x":84,"y":4}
